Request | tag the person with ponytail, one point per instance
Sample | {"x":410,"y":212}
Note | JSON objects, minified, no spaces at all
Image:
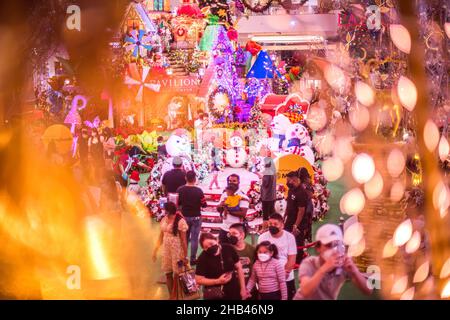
{"x":268,"y":273}
{"x":174,"y":242}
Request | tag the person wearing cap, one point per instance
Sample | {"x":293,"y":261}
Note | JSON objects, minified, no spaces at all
{"x":175,"y":178}
{"x":322,"y":277}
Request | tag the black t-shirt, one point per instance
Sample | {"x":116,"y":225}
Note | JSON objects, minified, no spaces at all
{"x":210,"y":267}
{"x":190,"y":199}
{"x":296,"y":198}
{"x":174,"y":179}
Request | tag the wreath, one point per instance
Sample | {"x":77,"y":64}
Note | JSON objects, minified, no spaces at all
{"x":260,"y":6}
{"x":215,"y":111}
{"x":181,"y":31}
{"x":289,"y":5}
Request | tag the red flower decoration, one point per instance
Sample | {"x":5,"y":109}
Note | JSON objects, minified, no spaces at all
{"x":253,"y":47}
{"x":232,"y":34}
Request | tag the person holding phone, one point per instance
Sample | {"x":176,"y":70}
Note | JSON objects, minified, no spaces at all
{"x":219,"y":271}
{"x":321,"y":277}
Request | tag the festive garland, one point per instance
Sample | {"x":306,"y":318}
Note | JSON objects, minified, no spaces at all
{"x":259,"y":7}
{"x":181,"y":31}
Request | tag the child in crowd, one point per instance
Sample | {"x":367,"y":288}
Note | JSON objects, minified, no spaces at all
{"x":231,"y":202}
{"x":268,"y":273}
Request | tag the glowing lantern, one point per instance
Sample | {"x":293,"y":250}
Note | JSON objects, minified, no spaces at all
{"x":445,"y":294}
{"x":400,"y":37}
{"x":332,"y":168}
{"x":400,"y":285}
{"x":363,"y":168}
{"x":355,"y":250}
{"x":397,"y":191}
{"x":395,"y":163}
{"x":445,"y":271}
{"x":431,"y":135}
{"x":408,"y":294}
{"x":343,"y":148}
{"x":364,"y":93}
{"x":359,"y":117}
{"x":353,"y":202}
{"x":317,"y":118}
{"x":414,"y":243}
{"x":335,"y":77}
{"x":374,"y":186}
{"x":353,"y":234}
{"x":444,"y":149}
{"x":403,"y":233}
{"x":407,"y":93}
{"x":422,"y":272}
{"x":389,"y":249}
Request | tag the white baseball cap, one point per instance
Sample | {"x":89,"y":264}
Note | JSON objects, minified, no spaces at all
{"x":329,"y":233}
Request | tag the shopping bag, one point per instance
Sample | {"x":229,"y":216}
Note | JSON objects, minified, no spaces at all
{"x":187,"y":288}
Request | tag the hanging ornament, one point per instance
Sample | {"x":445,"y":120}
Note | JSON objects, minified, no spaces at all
{"x":400,"y":37}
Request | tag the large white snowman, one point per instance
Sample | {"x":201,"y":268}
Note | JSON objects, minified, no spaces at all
{"x":236,"y":155}
{"x":178,"y":145}
{"x":278,"y":126}
{"x":299,"y":142}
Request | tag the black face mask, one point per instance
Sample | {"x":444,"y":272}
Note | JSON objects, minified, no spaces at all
{"x":212,"y":250}
{"x":273,"y":230}
{"x":233,"y":240}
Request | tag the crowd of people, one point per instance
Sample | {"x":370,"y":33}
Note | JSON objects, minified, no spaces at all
{"x":230,"y":268}
{"x":227,"y":266}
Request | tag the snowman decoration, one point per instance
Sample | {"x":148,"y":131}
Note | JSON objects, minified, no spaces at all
{"x":280,"y":203}
{"x":178,"y":145}
{"x":299,"y":142}
{"x":236,"y":155}
{"x":279,"y":125}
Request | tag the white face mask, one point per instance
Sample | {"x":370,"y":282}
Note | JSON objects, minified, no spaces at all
{"x":263,"y":257}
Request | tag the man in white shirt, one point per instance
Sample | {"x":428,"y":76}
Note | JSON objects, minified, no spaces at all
{"x":287,"y":248}
{"x":235,"y":216}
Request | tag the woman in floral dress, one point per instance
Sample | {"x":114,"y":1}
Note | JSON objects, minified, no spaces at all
{"x":174,"y":245}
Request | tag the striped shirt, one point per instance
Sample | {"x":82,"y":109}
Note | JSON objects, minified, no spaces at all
{"x":270,"y":277}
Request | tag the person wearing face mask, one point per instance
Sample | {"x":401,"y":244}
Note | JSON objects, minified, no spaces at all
{"x":297,"y":219}
{"x":321,"y":277}
{"x":287,"y":248}
{"x":245,"y":251}
{"x":219,"y":271}
{"x":231,"y":217}
{"x":268,"y":273}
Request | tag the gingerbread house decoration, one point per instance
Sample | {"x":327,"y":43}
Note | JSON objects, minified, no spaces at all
{"x":188,"y":25}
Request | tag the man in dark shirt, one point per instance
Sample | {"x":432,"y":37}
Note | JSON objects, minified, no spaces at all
{"x":174,"y":178}
{"x":296,"y":220}
{"x":191,"y":199}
